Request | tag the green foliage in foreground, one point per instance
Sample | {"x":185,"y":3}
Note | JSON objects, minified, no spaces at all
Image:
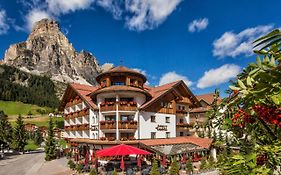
{"x":19,"y":135}
{"x":175,"y":168}
{"x":6,"y":131}
{"x":50,"y":148}
{"x":31,"y":146}
{"x":155,"y":168}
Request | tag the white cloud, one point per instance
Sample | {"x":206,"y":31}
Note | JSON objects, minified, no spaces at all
{"x":112,"y":6}
{"x":138,"y":15}
{"x":106,"y":66}
{"x":58,"y":7}
{"x":218,"y":76}
{"x":198,"y":25}
{"x":232,"y":44}
{"x":148,"y":14}
{"x":35,"y":15}
{"x":4,"y":27}
{"x":173,"y":76}
{"x":140,"y":71}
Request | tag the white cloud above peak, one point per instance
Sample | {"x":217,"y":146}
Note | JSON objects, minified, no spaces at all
{"x":4,"y":26}
{"x":198,"y":25}
{"x":148,"y":14}
{"x":218,"y":76}
{"x":233,"y":44}
{"x":35,"y":15}
{"x":173,"y":76}
{"x":138,"y":15}
{"x":65,"y":6}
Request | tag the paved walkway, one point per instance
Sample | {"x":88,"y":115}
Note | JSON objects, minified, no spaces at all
{"x":33,"y":164}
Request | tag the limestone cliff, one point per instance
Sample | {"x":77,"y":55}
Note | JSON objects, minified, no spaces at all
{"x":47,"y":51}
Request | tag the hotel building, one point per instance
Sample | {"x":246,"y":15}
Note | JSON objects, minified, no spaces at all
{"x":122,"y":109}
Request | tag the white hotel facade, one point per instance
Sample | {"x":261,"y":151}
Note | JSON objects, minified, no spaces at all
{"x":122,"y":109}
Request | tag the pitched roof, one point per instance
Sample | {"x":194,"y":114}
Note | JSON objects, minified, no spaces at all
{"x":208,"y":98}
{"x":119,"y":88}
{"x":201,"y":142}
{"x":121,"y":69}
{"x":154,"y":93}
{"x":200,"y":109}
{"x":81,"y":90}
{"x":159,"y":91}
{"x":84,"y":91}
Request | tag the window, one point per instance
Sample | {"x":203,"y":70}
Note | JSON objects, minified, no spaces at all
{"x":110,"y":100}
{"x":167,"y":134}
{"x":181,"y":133}
{"x":127,"y":99}
{"x":167,"y":119}
{"x":153,"y":135}
{"x":118,"y":83}
{"x":152,"y":118}
{"x":181,"y":120}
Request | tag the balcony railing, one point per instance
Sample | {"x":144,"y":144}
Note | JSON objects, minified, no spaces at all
{"x":73,"y":102}
{"x":123,"y":106}
{"x":121,"y":139}
{"x":184,"y":126}
{"x":127,"y":106}
{"x":108,"y":106}
{"x":80,"y":127}
{"x":77,"y":114}
{"x":181,"y":112}
{"x":122,"y":125}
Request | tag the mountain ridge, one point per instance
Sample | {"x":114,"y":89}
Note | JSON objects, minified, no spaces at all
{"x":48,"y":52}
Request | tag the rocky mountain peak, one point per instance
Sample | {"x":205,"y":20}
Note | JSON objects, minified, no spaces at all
{"x":47,"y":51}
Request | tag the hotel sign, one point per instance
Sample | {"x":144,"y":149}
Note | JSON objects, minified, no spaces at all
{"x":162,"y":128}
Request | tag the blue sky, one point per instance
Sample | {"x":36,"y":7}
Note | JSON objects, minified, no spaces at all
{"x":206,"y":43}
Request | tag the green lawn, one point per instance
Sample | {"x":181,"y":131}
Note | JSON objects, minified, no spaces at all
{"x":12,"y":108}
{"x":39,"y":121}
{"x":31,"y":146}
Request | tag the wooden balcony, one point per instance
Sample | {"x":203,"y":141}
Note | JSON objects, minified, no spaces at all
{"x":81,"y":127}
{"x":81,"y":113}
{"x":127,"y":106}
{"x":123,"y":106}
{"x":73,"y":102}
{"x":122,"y":125}
{"x":184,"y":126}
{"x":181,"y":113}
{"x":166,"y":110}
{"x":109,"y":106}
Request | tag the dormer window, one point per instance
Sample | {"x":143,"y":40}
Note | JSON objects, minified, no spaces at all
{"x":118,"y":83}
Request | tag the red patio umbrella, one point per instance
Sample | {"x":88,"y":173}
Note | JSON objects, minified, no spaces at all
{"x":87,"y":157}
{"x":121,"y":150}
{"x":164,"y":161}
{"x":183,"y":159}
{"x":122,"y":166}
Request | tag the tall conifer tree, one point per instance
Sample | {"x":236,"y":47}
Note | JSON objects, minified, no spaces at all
{"x":50,"y":148}
{"x":19,"y":135}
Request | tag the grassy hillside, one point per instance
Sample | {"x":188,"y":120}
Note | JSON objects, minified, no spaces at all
{"x":15,"y":108}
{"x":40,"y":121}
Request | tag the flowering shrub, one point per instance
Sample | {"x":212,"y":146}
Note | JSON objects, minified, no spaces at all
{"x":252,"y":112}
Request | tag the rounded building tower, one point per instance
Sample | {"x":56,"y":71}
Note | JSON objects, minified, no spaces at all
{"x":120,"y":94}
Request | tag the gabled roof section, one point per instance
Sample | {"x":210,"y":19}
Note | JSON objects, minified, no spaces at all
{"x":82,"y":91}
{"x":160,"y":91}
{"x":208,"y":98}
